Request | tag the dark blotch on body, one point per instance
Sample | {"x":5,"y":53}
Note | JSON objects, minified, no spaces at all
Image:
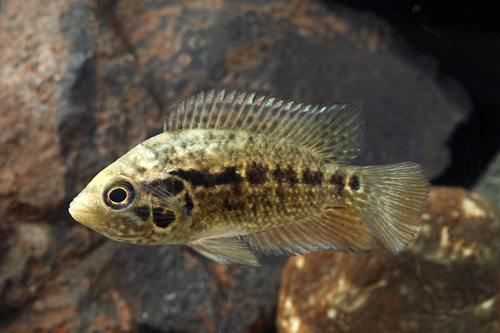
{"x":256,"y":173}
{"x":163,"y":218}
{"x":354,"y":183}
{"x":227,"y":176}
{"x":189,"y":204}
{"x":142,"y":212}
{"x":287,"y":175}
{"x":196,"y":178}
{"x":233,"y":205}
{"x":312,"y":177}
{"x":280,"y":193}
{"x":338,"y":179}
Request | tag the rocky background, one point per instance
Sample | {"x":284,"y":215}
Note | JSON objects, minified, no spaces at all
{"x":83,"y":81}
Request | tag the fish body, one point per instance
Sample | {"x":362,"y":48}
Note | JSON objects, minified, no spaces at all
{"x":235,"y":173}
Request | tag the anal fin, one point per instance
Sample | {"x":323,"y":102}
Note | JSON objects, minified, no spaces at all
{"x":225,"y":250}
{"x":336,"y":229}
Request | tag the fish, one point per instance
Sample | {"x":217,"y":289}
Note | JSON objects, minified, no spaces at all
{"x":235,"y":174}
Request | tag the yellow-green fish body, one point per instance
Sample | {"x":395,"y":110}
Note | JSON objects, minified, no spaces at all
{"x":235,"y":173}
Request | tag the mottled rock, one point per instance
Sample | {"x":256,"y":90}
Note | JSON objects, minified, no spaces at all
{"x":489,"y":183}
{"x":300,"y":50}
{"x":82,"y":81}
{"x":447,"y":280}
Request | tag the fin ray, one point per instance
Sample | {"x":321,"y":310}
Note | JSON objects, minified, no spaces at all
{"x":391,"y":201}
{"x":334,"y":131}
{"x":225,"y":250}
{"x":322,"y":232}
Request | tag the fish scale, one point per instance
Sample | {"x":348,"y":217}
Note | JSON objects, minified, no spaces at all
{"x":272,"y":193}
{"x":235,"y":174}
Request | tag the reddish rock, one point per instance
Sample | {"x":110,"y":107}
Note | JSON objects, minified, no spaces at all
{"x":33,"y":61}
{"x":447,"y":280}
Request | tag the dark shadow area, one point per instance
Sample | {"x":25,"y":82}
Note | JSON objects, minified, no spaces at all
{"x":465,"y":38}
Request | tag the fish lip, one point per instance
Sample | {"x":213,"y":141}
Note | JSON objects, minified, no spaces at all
{"x":82,"y":213}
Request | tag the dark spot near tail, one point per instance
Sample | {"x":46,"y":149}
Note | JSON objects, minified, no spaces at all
{"x":231,"y":136}
{"x":142,"y":212}
{"x":171,"y":185}
{"x":312,"y":177}
{"x":256,"y":173}
{"x":189,"y":204}
{"x":354,"y":183}
{"x":233,"y":205}
{"x":163,"y":218}
{"x":227,"y":176}
{"x":287,"y":175}
{"x":338,"y":179}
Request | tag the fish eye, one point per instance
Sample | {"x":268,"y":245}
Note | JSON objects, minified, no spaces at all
{"x":119,"y":195}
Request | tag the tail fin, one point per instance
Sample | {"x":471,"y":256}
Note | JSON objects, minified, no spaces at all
{"x":390,"y":200}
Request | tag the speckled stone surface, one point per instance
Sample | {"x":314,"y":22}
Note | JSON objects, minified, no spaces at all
{"x":83,"y":81}
{"x":489,"y":183}
{"x":447,"y":280}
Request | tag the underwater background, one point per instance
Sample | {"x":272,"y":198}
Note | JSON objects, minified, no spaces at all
{"x":83,"y":81}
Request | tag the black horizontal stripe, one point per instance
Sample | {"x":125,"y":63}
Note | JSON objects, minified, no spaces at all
{"x":256,"y":174}
{"x":312,"y":177}
{"x":228,"y":176}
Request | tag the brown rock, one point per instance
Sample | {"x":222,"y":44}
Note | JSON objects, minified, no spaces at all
{"x":447,"y":280}
{"x":33,"y":62}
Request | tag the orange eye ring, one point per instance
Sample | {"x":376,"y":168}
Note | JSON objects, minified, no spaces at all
{"x":119,"y":195}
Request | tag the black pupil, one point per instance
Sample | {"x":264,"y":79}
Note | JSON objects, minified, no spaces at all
{"x":118,"y":195}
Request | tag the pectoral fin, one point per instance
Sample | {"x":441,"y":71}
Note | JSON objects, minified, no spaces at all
{"x":225,"y":250}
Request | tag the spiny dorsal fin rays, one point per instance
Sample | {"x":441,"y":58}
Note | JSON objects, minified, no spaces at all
{"x":334,"y":131}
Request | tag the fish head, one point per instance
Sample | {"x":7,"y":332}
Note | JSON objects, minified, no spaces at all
{"x":134,"y":201}
{"x":111,"y":205}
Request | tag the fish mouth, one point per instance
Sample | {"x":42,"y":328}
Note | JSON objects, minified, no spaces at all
{"x":82,"y":213}
{"x":86,"y":216}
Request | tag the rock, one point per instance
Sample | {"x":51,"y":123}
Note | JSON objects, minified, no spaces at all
{"x":489,"y":183}
{"x":86,"y":80}
{"x":445,"y":282}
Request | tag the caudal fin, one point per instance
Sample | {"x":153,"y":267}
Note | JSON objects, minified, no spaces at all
{"x":390,"y":200}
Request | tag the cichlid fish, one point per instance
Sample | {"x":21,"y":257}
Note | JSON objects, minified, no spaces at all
{"x":238,"y":173}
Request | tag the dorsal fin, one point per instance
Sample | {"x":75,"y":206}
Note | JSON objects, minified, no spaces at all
{"x":334,"y":131}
